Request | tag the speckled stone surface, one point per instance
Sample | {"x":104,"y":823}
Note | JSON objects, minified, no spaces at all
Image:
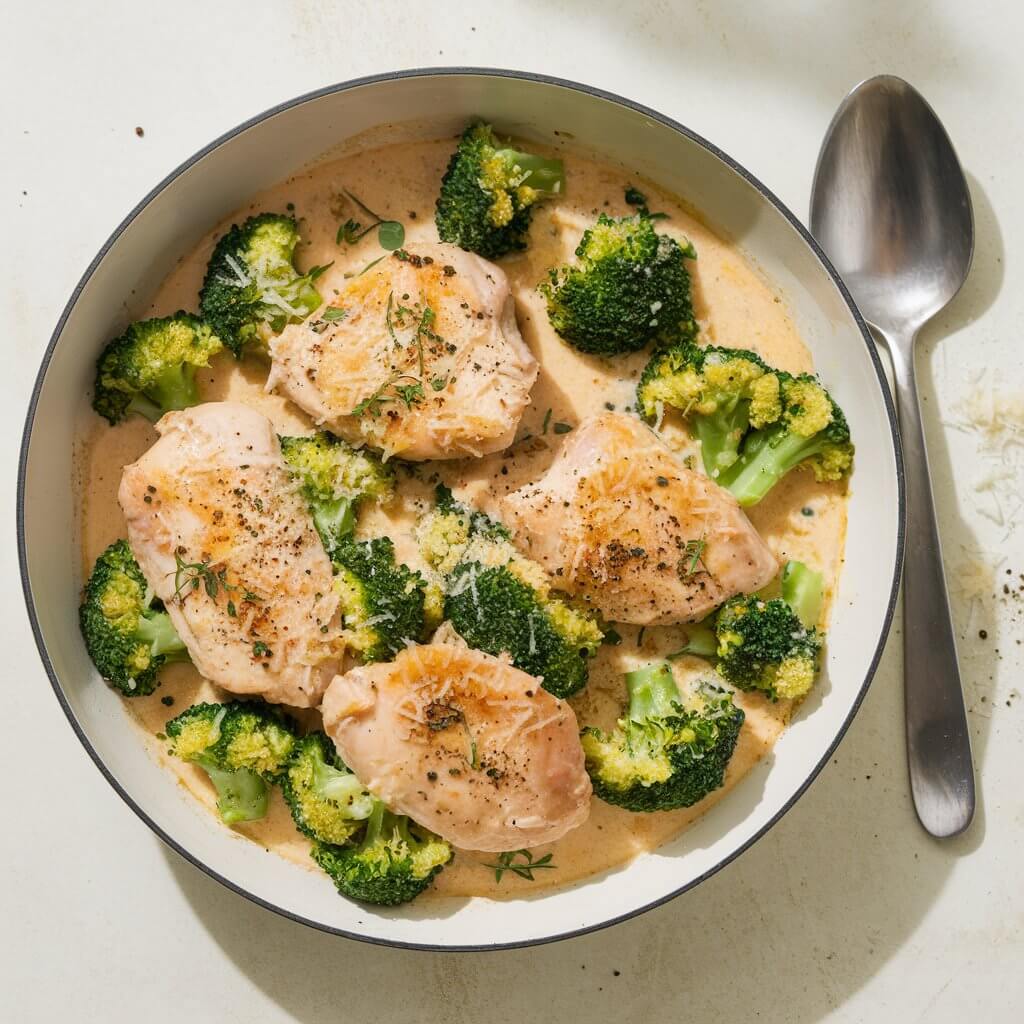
{"x":846,"y":911}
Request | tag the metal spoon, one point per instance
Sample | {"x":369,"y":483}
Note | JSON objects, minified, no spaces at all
{"x":891,"y":208}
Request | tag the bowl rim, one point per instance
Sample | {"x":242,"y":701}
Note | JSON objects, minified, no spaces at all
{"x":455,"y":71}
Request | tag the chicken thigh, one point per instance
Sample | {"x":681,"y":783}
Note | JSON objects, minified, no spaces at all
{"x":419,"y":356}
{"x":619,"y":521}
{"x":226,"y":542}
{"x":463,"y":743}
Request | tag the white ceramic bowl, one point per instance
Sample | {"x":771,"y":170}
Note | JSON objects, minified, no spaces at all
{"x":216,"y":181}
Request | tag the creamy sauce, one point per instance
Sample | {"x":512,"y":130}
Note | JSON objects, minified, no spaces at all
{"x":735,"y":307}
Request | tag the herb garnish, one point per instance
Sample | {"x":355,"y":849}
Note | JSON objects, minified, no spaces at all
{"x":524,"y":869}
{"x":387,"y":319}
{"x":189,"y":575}
{"x":372,"y":263}
{"x":410,"y":393}
{"x":693,"y":555}
{"x":636,"y":198}
{"x":331,"y":315}
{"x":440,"y":716}
{"x":563,"y":428}
{"x":390,"y":233}
{"x":261,"y":650}
{"x":414,"y":392}
{"x":314,"y":272}
{"x":547,"y":420}
{"x":423,"y":330}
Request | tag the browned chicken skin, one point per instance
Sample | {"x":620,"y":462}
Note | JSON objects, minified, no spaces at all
{"x":463,"y":743}
{"x":619,"y":521}
{"x":228,"y":545}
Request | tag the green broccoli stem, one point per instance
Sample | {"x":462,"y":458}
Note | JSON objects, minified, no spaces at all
{"x":175,"y":388}
{"x":342,"y":787}
{"x":701,"y":641}
{"x":374,"y":825}
{"x":334,"y":520}
{"x":768,"y":455}
{"x":652,"y":692}
{"x":540,"y":173}
{"x":803,"y":590}
{"x":157,"y":630}
{"x":382,"y":823}
{"x":307,"y":298}
{"x":241,"y":795}
{"x":720,"y":434}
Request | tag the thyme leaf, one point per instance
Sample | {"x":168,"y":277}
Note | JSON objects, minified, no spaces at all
{"x":189,"y":576}
{"x":390,"y":233}
{"x":410,"y":393}
{"x":524,"y":867}
{"x":693,"y":556}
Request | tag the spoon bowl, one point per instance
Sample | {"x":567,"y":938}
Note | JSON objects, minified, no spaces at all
{"x":890,"y":206}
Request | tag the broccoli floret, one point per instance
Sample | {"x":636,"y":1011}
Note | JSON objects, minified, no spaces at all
{"x":629,"y":286}
{"x":721,"y":392}
{"x":334,"y":479}
{"x":395,"y":861}
{"x":773,"y":644}
{"x":241,"y":746}
{"x":668,"y":752}
{"x":502,"y":603}
{"x":812,"y":430}
{"x":327,"y":801}
{"x":127,"y":633}
{"x":384,"y":604}
{"x":754,"y":423}
{"x":488,"y":193}
{"x":252,"y":289}
{"x":151,"y":368}
{"x":763,"y":645}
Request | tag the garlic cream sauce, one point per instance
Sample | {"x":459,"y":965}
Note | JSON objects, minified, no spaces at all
{"x":801,"y":518}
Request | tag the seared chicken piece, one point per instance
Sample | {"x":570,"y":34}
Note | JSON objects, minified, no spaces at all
{"x":420,"y":356}
{"x":463,"y":743}
{"x":619,"y":521}
{"x":226,"y":542}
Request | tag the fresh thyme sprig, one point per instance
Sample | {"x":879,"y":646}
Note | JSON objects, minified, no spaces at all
{"x":393,"y":312}
{"x":524,"y":869}
{"x":390,"y":233}
{"x":413,"y":392}
{"x":410,"y":394}
{"x":189,"y":576}
{"x":368,"y":266}
{"x":693,"y":555}
{"x":423,"y":330}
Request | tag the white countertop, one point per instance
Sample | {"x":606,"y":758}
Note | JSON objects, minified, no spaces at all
{"x":845,"y":911}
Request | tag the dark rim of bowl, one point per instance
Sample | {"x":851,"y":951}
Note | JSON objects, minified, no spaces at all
{"x":544,"y":80}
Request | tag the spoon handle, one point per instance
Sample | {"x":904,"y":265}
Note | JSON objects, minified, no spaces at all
{"x":938,"y":741}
